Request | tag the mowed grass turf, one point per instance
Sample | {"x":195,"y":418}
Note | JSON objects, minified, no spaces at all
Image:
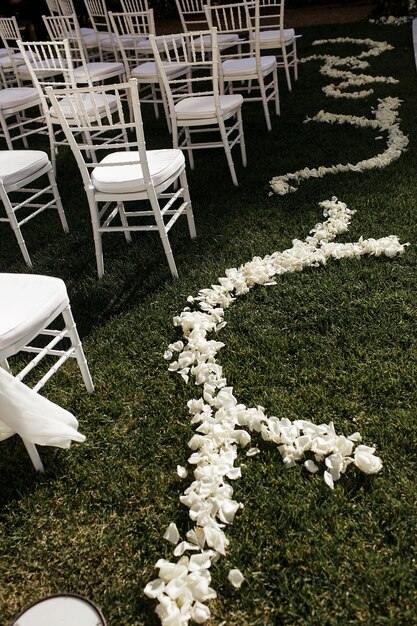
{"x":331,"y":343}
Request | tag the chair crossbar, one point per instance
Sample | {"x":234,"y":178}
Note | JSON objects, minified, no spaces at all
{"x":43,"y":352}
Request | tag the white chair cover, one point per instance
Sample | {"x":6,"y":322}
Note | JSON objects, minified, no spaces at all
{"x":32,"y":416}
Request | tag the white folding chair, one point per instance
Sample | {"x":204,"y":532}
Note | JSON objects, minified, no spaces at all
{"x":193,"y":18}
{"x":274,"y":36}
{"x":86,"y":72}
{"x":258,"y":72}
{"x":132,"y":31}
{"x":18,"y":170}
{"x":202,"y":109}
{"x":51,"y":63}
{"x":128,"y":172}
{"x":99,"y":19}
{"x":29,"y":305}
{"x":15,"y":122}
{"x":12,"y":69}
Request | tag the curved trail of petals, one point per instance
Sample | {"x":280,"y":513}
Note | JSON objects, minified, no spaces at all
{"x":223,"y":425}
{"x":386,"y":115}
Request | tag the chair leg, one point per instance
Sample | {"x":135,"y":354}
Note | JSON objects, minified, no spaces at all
{"x":286,"y":67}
{"x":242,"y":138}
{"x":79,"y":352}
{"x":276,"y":92}
{"x":189,"y":144}
{"x":95,"y":223}
{"x":163,"y":233}
{"x":58,"y":202}
{"x":228,"y":152}
{"x":189,"y":210}
{"x":123,"y":219}
{"x":34,"y":456}
{"x":5,"y":132}
{"x":15,"y":225}
{"x":264,"y":102}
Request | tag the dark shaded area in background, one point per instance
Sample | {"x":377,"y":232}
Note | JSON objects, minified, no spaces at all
{"x":299,"y":12}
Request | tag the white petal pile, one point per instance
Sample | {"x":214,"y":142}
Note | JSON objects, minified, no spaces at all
{"x":386,"y":115}
{"x":222,"y":424}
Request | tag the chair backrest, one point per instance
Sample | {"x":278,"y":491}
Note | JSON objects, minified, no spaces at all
{"x":102,"y":108}
{"x":199,"y":51}
{"x":192,"y":14}
{"x":229,"y":18}
{"x":53,"y":7}
{"x":60,"y":27}
{"x":271,"y":14}
{"x":66,"y":7}
{"x":49,"y":64}
{"x":240,"y":18}
{"x":131,"y":31}
{"x":9,"y":34}
{"x":134,"y":6}
{"x":98,"y":15}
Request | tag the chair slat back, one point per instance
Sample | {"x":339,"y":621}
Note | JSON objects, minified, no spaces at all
{"x":191,"y":14}
{"x":229,"y":18}
{"x":60,"y":27}
{"x":98,"y":14}
{"x":66,"y":7}
{"x":199,"y":51}
{"x":131,"y":31}
{"x":134,"y":6}
{"x":271,"y":14}
{"x":102,"y":108}
{"x":53,"y":7}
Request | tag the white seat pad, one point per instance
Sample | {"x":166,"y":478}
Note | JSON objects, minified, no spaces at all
{"x":18,"y":96}
{"x":206,"y":39}
{"x":201,"y":107}
{"x":15,"y":165}
{"x":149,"y":70}
{"x":7,"y":62}
{"x":98,"y":69}
{"x":271,"y":36}
{"x":129,"y":178}
{"x":3,"y":52}
{"x":26,"y":303}
{"x":91,"y":103}
{"x":247,"y":66}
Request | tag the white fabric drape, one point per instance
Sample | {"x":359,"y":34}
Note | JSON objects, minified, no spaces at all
{"x":34,"y":417}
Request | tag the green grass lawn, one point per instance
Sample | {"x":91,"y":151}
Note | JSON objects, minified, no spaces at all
{"x":331,"y":343}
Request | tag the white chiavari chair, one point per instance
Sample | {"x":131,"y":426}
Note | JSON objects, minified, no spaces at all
{"x":128,"y":175}
{"x":251,"y":74}
{"x":202,"y":109}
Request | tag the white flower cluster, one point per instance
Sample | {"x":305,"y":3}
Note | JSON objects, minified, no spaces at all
{"x":386,"y":115}
{"x":222,"y":424}
{"x":331,"y":63}
{"x":391,"y":20}
{"x":386,"y":120}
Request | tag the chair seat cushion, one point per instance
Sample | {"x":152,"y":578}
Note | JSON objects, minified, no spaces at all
{"x":202,"y":107}
{"x":7,"y":62}
{"x":148,"y":70}
{"x":15,"y":165}
{"x":163,"y":164}
{"x":98,"y":70}
{"x":26,"y":304}
{"x":92,"y":104}
{"x":247,"y":66}
{"x":274,"y":36}
{"x":18,"y":96}
{"x":221,"y":39}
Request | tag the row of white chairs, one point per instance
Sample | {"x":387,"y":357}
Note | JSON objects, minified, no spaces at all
{"x":193,"y":16}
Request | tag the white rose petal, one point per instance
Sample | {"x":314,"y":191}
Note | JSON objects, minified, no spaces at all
{"x":236,"y":578}
{"x":171,"y":534}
